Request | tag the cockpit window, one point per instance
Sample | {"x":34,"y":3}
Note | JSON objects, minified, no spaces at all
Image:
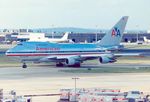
{"x":20,"y":44}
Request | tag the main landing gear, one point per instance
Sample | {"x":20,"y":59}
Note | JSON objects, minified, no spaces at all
{"x":59,"y":64}
{"x":24,"y":65}
{"x":75,"y":65}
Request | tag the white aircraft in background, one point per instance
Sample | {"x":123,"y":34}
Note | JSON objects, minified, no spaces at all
{"x":146,"y":40}
{"x":53,"y":40}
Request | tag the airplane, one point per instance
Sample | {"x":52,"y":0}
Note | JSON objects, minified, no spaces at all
{"x":54,"y":40}
{"x":146,"y":40}
{"x":66,"y":54}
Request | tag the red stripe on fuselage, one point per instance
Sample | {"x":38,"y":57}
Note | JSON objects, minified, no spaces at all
{"x":50,"y":54}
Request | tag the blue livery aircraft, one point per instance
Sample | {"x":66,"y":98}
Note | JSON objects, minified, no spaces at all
{"x":71,"y":54}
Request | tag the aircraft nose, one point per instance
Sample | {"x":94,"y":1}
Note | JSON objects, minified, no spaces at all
{"x":7,"y":52}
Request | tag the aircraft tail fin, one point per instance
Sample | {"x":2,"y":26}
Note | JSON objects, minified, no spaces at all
{"x":65,"y":37}
{"x":114,"y":36}
{"x":145,"y":39}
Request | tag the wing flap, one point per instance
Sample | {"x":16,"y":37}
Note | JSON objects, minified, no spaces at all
{"x":127,"y":54}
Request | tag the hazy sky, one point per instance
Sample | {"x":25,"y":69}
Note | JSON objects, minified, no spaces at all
{"x":73,"y":13}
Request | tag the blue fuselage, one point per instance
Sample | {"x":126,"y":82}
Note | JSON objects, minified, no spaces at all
{"x":46,"y":49}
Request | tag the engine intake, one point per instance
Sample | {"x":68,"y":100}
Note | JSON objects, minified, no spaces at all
{"x":73,"y":60}
{"x":107,"y":59}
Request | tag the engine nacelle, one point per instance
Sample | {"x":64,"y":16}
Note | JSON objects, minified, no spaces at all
{"x":107,"y":59}
{"x":73,"y":60}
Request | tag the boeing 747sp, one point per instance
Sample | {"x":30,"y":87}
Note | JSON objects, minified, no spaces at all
{"x":71,"y":54}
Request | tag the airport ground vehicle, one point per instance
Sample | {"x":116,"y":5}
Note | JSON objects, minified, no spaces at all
{"x":136,"y":95}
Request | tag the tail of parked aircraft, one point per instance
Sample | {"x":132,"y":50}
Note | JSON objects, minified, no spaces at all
{"x":114,"y":36}
{"x":146,"y":40}
{"x":65,"y":37}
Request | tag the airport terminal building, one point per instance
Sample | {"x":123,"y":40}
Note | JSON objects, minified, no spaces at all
{"x":93,"y":37}
{"x":88,"y":37}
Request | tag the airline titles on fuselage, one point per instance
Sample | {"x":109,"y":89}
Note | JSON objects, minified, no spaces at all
{"x":47,"y":49}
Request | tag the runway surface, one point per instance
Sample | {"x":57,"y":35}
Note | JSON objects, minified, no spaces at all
{"x":48,"y":79}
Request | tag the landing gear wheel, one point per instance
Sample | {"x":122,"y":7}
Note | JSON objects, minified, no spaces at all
{"x":59,"y":64}
{"x":75,"y":65}
{"x":24,"y":66}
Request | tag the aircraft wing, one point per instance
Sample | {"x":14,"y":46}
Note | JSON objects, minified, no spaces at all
{"x":81,"y":58}
{"x":132,"y":52}
{"x":63,"y":58}
{"x":128,"y":54}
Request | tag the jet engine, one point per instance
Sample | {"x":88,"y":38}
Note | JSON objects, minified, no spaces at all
{"x":73,"y":60}
{"x":107,"y":59}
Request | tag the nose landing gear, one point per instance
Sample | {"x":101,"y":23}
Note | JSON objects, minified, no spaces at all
{"x":24,"y":65}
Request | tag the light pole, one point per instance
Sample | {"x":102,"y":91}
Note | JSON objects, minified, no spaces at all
{"x":96,"y":33}
{"x":137,"y":39}
{"x":52,"y":31}
{"x":75,"y":78}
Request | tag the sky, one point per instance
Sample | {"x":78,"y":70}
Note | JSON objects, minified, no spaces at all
{"x":101,"y":14}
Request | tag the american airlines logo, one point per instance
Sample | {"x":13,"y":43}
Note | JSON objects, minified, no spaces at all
{"x":115,"y":32}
